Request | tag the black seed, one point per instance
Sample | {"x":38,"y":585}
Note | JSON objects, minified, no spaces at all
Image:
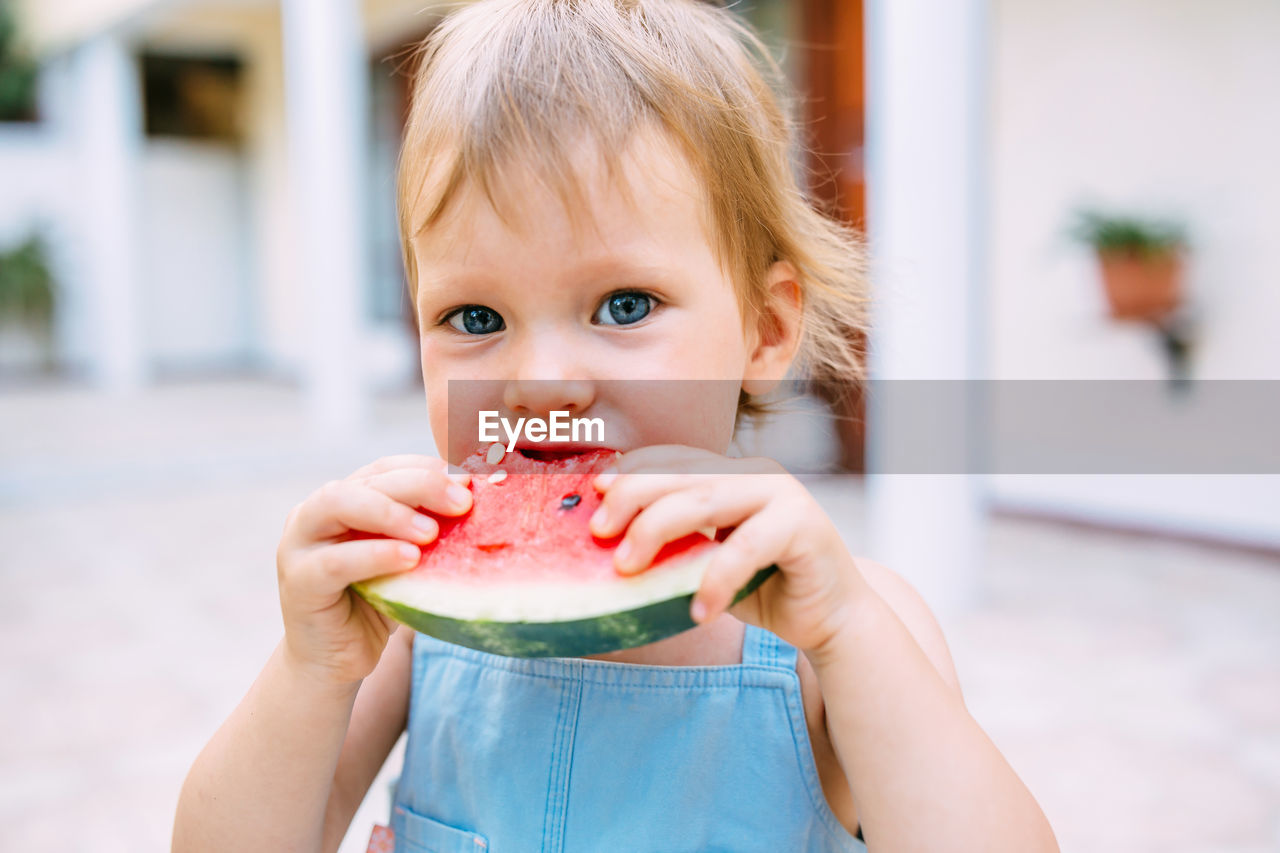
{"x":570,"y":501}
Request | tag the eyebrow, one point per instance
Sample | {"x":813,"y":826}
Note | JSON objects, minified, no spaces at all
{"x":608,"y":267}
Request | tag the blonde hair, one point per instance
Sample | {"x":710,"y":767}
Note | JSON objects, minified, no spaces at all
{"x":505,"y":82}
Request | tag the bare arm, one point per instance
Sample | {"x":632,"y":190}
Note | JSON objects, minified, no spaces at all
{"x":906,"y":742}
{"x":923,"y":775}
{"x":289,"y":767}
{"x":262,"y":781}
{"x":292,"y":763}
{"x":380,"y":714}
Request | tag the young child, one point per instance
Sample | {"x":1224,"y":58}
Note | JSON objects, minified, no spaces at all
{"x":596,"y":191}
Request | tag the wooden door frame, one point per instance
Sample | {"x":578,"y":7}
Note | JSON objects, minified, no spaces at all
{"x":832,"y":38}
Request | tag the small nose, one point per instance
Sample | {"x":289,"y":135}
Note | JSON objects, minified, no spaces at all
{"x":547,"y":379}
{"x":541,"y":397}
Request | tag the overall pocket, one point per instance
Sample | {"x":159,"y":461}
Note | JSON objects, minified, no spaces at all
{"x":417,"y":833}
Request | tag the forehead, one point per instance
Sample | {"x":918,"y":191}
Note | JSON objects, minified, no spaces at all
{"x":644,"y":202}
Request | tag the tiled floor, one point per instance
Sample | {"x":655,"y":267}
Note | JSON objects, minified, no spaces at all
{"x":1134,"y":683}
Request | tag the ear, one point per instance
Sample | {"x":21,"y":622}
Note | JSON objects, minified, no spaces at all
{"x":774,"y":332}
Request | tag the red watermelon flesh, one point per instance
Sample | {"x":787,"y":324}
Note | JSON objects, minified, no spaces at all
{"x":529,"y":523}
{"x":522,"y":575}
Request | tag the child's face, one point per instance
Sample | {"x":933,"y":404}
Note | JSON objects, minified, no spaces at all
{"x":560,"y":318}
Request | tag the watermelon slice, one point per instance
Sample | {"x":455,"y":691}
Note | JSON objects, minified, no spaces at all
{"x":521,"y":574}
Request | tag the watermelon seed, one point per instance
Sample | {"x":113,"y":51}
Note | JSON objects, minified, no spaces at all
{"x":570,"y":501}
{"x":497,"y":476}
{"x":495,"y":454}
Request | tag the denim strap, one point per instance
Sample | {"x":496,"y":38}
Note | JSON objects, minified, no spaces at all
{"x":764,"y":648}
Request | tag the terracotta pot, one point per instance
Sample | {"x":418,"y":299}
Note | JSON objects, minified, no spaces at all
{"x":1142,"y":286}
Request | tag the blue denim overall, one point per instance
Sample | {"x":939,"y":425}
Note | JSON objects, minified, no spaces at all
{"x":507,"y":755}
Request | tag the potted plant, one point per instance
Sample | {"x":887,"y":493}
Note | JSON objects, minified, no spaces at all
{"x":17,"y":72}
{"x":1141,"y":261}
{"x":27,"y":300}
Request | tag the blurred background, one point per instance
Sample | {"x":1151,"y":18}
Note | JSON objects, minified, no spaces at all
{"x":203,"y":318}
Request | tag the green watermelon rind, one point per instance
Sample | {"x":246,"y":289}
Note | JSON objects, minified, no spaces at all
{"x":547,"y":636}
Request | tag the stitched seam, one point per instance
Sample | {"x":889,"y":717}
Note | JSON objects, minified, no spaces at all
{"x":787,"y":655}
{"x":761,"y":678}
{"x":567,"y":762}
{"x":632,"y":676}
{"x":751,"y":646}
{"x":555,"y":795}
{"x":553,"y":774}
{"x":770,"y":651}
{"x":418,"y":666}
{"x":595,"y":671}
{"x":808,"y":768}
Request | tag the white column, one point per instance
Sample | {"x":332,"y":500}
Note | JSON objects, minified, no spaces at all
{"x":926,"y":114}
{"x":327,"y":124}
{"x":110,"y":124}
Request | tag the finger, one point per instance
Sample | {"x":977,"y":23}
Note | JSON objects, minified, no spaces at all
{"x":628,"y":495}
{"x":652,"y":460}
{"x":677,"y":460}
{"x":758,"y":542}
{"x":722,"y":503}
{"x":667,"y":459}
{"x":327,"y":571}
{"x":424,"y":488}
{"x":661,"y":457}
{"x":374,"y":615}
{"x":342,"y":506}
{"x":403,"y":460}
{"x":632,"y":493}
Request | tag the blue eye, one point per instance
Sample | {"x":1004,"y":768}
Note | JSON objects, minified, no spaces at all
{"x":476,"y":320}
{"x":623,"y":309}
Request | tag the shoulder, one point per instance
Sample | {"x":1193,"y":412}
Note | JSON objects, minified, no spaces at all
{"x":909,"y":606}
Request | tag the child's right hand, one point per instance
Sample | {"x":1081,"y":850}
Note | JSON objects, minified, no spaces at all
{"x":330,"y":631}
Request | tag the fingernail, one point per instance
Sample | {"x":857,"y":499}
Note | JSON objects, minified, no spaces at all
{"x":698,"y":611}
{"x":460,"y":477}
{"x":599,"y":519}
{"x":411,"y":553}
{"x":426,"y":524}
{"x":459,"y":496}
{"x":606,"y":477}
{"x":623,"y":555}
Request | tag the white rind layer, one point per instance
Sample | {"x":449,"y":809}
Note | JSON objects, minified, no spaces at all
{"x":541,"y":602}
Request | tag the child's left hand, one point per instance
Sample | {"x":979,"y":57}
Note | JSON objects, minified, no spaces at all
{"x":775,"y":521}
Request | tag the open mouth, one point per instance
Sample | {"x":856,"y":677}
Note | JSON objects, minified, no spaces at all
{"x":551,"y":454}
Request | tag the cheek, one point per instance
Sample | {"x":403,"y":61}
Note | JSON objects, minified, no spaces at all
{"x":454,"y":400}
{"x":715,"y":339}
{"x":701,"y":366}
{"x":696,"y":413}
{"x":438,"y":414}
{"x":435,"y":385}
